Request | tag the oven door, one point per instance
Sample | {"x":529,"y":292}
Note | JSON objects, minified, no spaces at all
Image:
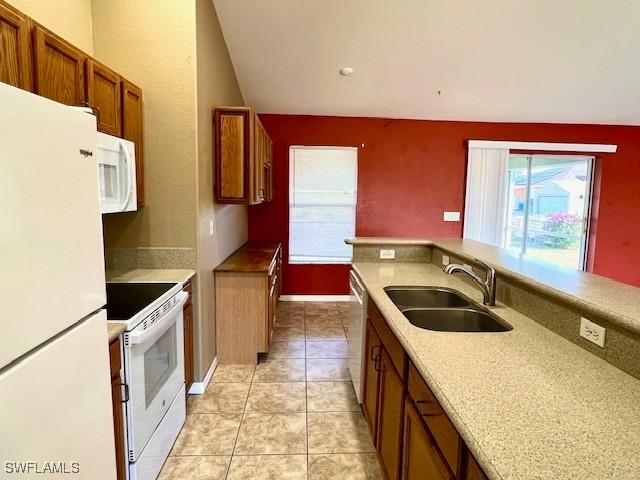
{"x":117,"y":172}
{"x":154,"y":370}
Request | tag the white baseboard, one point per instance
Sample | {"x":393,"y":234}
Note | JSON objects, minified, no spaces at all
{"x":314,"y":298}
{"x":198,"y":388}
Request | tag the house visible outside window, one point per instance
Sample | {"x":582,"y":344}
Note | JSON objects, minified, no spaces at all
{"x":322,"y":204}
{"x":532,"y":205}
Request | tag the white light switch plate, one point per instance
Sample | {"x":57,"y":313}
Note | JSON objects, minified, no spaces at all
{"x":592,"y":332}
{"x":210,"y":227}
{"x":389,"y":254}
{"x":451,"y":216}
{"x":445,"y":260}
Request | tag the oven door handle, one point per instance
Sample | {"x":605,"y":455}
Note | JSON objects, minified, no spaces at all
{"x":136,"y":338}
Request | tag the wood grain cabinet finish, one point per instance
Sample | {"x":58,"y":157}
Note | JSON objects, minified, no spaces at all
{"x":373,"y":354}
{"x":132,"y":129}
{"x":36,"y":59}
{"x":242,"y":153}
{"x":59,"y":68}
{"x":15,"y":48}
{"x":414,"y":437}
{"x":116,"y":402}
{"x":390,"y":417}
{"x":421,"y":459}
{"x":187,"y":324}
{"x":247,"y":291}
{"x":104,"y":95}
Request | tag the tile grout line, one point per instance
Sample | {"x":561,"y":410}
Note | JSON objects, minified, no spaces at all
{"x":235,"y":442}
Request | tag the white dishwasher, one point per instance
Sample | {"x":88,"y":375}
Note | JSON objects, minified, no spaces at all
{"x":356,"y":328}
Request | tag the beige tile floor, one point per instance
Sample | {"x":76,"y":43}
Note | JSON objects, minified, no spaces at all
{"x":294,"y":416}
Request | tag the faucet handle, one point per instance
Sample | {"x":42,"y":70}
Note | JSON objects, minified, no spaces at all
{"x":489,"y":271}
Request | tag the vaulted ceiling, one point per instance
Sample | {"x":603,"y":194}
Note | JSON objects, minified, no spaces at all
{"x":574,"y":61}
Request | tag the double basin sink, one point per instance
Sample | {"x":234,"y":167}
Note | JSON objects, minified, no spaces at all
{"x":444,"y":310}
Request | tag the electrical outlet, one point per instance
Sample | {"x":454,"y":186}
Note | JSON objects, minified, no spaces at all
{"x":445,"y":260}
{"x":210,"y":227}
{"x":592,"y":332}
{"x":389,"y":254}
{"x":451,"y":216}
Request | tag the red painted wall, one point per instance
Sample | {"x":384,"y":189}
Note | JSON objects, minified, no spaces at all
{"x":410,"y":171}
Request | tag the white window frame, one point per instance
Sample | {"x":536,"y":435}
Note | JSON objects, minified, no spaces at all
{"x":319,"y":260}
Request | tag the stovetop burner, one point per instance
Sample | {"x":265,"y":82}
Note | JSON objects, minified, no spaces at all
{"x":125,"y":299}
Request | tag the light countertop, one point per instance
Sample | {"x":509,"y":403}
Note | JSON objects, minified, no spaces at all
{"x":150,"y":275}
{"x":614,"y":301}
{"x":528,"y":403}
{"x":114,"y":330}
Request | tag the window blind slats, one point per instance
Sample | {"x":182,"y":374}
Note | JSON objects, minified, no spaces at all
{"x":322,"y":197}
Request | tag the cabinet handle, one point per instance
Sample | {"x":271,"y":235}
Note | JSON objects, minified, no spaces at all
{"x":95,"y":110}
{"x":126,"y":396}
{"x":374,"y":356}
{"x":426,"y":413}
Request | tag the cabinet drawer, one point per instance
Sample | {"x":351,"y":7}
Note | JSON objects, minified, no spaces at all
{"x":391,"y":343}
{"x":443,"y":431}
{"x":114,"y":357}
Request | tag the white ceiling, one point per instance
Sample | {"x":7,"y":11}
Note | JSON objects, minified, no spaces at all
{"x":575,"y":61}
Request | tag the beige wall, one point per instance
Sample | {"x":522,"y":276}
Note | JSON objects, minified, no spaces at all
{"x":216,"y":85}
{"x":152,"y":43}
{"x":176,"y":53}
{"x":70,"y":19}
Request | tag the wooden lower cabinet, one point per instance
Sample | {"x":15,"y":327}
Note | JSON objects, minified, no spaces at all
{"x":372,"y":354}
{"x":390,"y":415}
{"x":473,"y":470}
{"x":116,"y":401}
{"x":413,"y":436}
{"x":421,"y":459}
{"x":246,"y":288}
{"x":187,"y":323}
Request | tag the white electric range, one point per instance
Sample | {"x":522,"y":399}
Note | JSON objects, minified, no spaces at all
{"x":153,"y":366}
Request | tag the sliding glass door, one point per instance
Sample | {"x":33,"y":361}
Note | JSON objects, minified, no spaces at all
{"x":548,"y":207}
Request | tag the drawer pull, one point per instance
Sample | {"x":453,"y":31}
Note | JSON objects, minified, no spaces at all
{"x":434,"y":411}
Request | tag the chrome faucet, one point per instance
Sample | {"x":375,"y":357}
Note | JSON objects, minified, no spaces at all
{"x":488,"y":285}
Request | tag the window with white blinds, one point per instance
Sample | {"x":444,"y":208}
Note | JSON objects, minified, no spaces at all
{"x":322,"y":203}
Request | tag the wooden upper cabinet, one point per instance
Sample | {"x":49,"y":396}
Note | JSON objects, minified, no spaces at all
{"x":132,"y":129}
{"x":104,"y":95}
{"x":15,"y":48}
{"x":242,"y":148}
{"x":59,"y":68}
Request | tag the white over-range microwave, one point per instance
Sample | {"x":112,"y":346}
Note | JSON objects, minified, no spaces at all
{"x":117,"y":168}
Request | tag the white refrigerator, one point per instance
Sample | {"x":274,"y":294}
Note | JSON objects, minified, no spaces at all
{"x":55,"y":390}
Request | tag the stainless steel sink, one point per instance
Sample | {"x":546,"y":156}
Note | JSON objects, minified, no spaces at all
{"x":456,"y":320}
{"x":426,"y":297}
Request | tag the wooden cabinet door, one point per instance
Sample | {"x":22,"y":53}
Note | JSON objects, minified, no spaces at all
{"x":231,"y":155}
{"x":390,"y":415}
{"x":59,"y":68}
{"x":258,"y":162}
{"x":132,"y":129}
{"x":474,"y":472}
{"x":373,"y":348}
{"x":116,"y":403}
{"x":15,"y":48}
{"x":188,"y":345}
{"x":271,"y":313}
{"x":103,"y":94}
{"x":421,"y":459}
